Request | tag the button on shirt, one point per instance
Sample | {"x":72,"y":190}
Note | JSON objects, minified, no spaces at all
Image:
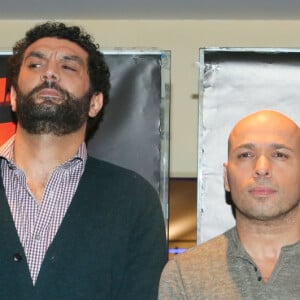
{"x":37,"y":224}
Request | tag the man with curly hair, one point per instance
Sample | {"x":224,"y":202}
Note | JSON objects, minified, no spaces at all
{"x":72,"y":227}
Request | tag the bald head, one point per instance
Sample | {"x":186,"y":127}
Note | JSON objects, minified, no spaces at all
{"x":264,"y":123}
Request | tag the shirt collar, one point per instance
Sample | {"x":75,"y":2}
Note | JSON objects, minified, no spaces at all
{"x":235,"y":248}
{"x":7,"y":151}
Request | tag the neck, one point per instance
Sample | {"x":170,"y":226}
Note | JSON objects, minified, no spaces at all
{"x":31,"y":150}
{"x":273,"y":233}
{"x":39,"y":155}
{"x":263,"y":240}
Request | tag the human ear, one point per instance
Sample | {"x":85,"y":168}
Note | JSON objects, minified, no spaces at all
{"x":13,"y":97}
{"x":96,"y":104}
{"x":225,"y":175}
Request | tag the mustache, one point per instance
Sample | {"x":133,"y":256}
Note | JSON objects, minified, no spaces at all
{"x":46,"y":85}
{"x":266,"y":184}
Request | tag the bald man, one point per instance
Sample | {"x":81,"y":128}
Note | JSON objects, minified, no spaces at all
{"x":260,"y":257}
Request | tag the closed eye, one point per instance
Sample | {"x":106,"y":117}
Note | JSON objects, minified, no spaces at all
{"x":67,"y":67}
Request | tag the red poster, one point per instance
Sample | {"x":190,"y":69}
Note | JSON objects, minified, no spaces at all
{"x":7,"y":126}
{"x":6,"y":131}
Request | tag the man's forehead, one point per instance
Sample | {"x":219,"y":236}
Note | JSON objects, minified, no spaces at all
{"x":56,"y":46}
{"x":265,"y":127}
{"x":257,"y":140}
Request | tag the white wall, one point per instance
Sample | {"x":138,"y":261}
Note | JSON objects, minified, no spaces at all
{"x":183,"y":38}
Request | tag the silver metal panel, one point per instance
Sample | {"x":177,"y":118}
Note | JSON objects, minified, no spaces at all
{"x":233,"y":83}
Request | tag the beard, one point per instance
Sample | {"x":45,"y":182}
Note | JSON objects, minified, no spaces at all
{"x":49,"y":116}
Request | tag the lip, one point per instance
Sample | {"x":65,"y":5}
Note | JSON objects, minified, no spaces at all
{"x":49,"y":94}
{"x":261,"y":191}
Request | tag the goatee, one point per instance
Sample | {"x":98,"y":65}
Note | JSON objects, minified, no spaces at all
{"x":49,"y":116}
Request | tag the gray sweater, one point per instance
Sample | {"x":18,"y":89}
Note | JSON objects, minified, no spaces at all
{"x":222,"y":269}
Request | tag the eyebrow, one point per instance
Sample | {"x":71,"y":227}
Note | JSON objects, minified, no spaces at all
{"x":249,"y":146}
{"x":74,"y":58}
{"x":281,"y":146}
{"x":37,"y":54}
{"x":252,"y":146}
{"x":40,"y":54}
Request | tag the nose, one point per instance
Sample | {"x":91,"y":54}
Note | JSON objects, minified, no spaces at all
{"x":50,"y":74}
{"x":262,"y":167}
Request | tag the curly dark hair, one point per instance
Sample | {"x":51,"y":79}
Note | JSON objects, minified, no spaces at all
{"x":97,"y":68}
